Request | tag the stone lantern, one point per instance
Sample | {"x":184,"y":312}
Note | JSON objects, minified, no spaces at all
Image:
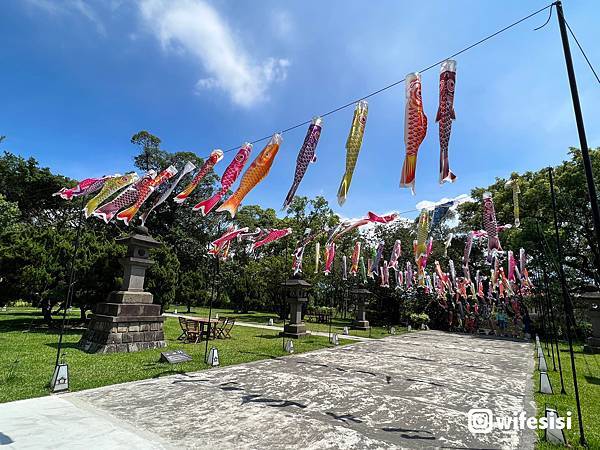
{"x":360,"y":297}
{"x":128,"y":321}
{"x":592,"y":299}
{"x":296,"y":295}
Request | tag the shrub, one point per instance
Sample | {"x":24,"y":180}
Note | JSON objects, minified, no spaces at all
{"x":419,"y":319}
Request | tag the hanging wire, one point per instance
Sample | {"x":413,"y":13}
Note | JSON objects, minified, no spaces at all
{"x":395,"y":83}
{"x":546,"y":22}
{"x":582,"y":52}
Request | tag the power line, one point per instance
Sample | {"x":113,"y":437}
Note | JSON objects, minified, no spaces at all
{"x":395,"y":83}
{"x":582,"y":52}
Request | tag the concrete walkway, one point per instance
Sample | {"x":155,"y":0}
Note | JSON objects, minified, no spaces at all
{"x":276,"y":328}
{"x":407,"y":391}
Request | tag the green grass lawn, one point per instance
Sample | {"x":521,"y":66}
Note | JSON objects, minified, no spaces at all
{"x":27,"y":357}
{"x":337,"y":325}
{"x":588,"y":377}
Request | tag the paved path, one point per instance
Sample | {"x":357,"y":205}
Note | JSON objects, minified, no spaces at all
{"x":407,"y":391}
{"x":276,"y":328}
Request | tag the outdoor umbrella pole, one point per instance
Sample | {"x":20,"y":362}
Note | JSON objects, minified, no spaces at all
{"x":567,"y":305}
{"x":71,"y":281}
{"x":585,"y":154}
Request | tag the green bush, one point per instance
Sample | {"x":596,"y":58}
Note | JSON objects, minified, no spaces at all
{"x":417,"y":320}
{"x":20,"y":304}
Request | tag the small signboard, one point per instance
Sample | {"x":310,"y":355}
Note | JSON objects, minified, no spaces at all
{"x":335,"y":340}
{"x":213,"y":357}
{"x":60,"y":378}
{"x":289,"y":346}
{"x":175,"y":357}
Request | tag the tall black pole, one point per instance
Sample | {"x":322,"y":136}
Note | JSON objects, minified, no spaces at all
{"x":210,"y":304}
{"x":71,"y":281}
{"x":585,"y":153}
{"x":567,"y":305}
{"x":547,"y":288}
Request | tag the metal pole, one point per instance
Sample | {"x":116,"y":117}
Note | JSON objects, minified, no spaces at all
{"x":546,"y":285}
{"x":585,"y":154}
{"x":71,"y":281}
{"x":212,"y":294}
{"x":331,"y":297}
{"x":567,"y":305}
{"x":551,"y":325}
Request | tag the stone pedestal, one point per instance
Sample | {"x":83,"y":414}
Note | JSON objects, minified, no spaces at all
{"x":128,"y":321}
{"x":296,"y":292}
{"x":592,"y":344}
{"x":361,"y":297}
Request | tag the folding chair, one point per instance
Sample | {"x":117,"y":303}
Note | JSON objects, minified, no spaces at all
{"x":192,"y":331}
{"x":227,"y":328}
{"x":219,"y":333}
{"x":183,"y":328}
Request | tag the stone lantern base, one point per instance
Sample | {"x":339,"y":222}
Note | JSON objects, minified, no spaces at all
{"x":360,"y":325}
{"x":592,"y":345}
{"x":294,"y":330}
{"x":121,"y":326}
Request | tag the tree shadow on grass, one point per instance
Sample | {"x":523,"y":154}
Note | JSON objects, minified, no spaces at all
{"x":264,"y":355}
{"x":592,"y":380}
{"x":71,"y":345}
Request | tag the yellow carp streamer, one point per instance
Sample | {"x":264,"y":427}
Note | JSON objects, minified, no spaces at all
{"x":353,"y":145}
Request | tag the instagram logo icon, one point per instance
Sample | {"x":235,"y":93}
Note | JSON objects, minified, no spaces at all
{"x":480,"y":421}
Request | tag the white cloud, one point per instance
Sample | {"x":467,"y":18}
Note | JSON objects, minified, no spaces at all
{"x":79,"y":7}
{"x":281,"y":23}
{"x":196,"y":28}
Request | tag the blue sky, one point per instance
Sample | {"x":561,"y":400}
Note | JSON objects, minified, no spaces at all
{"x":80,"y":77}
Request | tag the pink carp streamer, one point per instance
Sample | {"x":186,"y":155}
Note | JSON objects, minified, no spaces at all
{"x":355,"y":259}
{"x":445,"y":116}
{"x":231,"y":174}
{"x":110,"y":187}
{"x":218,"y":245}
{"x":214,"y":158}
{"x":415,"y":129}
{"x":491,"y":226}
{"x":272,"y":236}
{"x":84,"y":187}
{"x":396,"y":253}
{"x":107,"y":211}
{"x":298,"y":254}
{"x":145,"y":192}
{"x":329,"y":257}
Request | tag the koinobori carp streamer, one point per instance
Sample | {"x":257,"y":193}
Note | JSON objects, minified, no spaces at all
{"x":110,"y":187}
{"x":107,"y":211}
{"x":415,"y":129}
{"x":306,"y":156}
{"x":145,"y":191}
{"x":257,"y":172}
{"x":353,"y":146}
{"x":229,"y":176}
{"x":214,"y":158}
{"x":445,"y":116}
{"x":166,"y":193}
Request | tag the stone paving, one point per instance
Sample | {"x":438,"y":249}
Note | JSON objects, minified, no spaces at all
{"x":407,"y":391}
